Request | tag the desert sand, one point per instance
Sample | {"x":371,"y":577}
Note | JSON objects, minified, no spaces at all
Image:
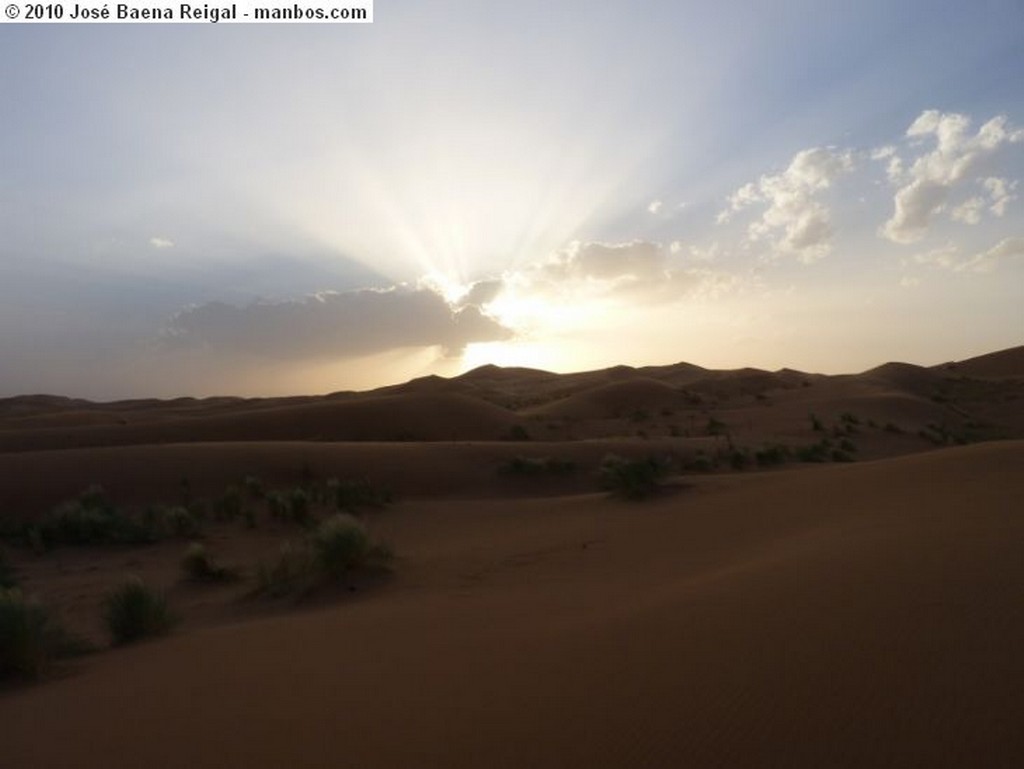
{"x":860,"y":611}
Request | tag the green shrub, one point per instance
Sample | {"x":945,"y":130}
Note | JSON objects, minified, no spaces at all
{"x":293,"y":572}
{"x":180,"y":521}
{"x":533,"y":466}
{"x":277,"y":503}
{"x":229,"y":506}
{"x":91,"y":520}
{"x":253,"y":486}
{"x":299,"y":505}
{"x":7,"y":576}
{"x":350,"y":495}
{"x":516,"y":433}
{"x":772,"y":456}
{"x":200,"y":567}
{"x":29,"y":637}
{"x":341,"y":545}
{"x":135,"y":611}
{"x":739,"y":460}
{"x":715,"y":427}
{"x":632,"y":478}
{"x":816,"y":452}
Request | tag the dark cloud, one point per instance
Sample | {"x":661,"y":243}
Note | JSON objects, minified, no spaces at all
{"x":334,"y":325}
{"x":482,"y":292}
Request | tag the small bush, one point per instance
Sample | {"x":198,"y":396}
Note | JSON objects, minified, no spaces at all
{"x":338,"y":547}
{"x":299,"y":505}
{"x":715,"y":427}
{"x":180,"y":521}
{"x":277,"y":503}
{"x":350,"y":495}
{"x":7,"y":576}
{"x":738,"y":459}
{"x":92,"y":520}
{"x":816,"y":424}
{"x":253,"y":487}
{"x":135,"y":611}
{"x":534,"y":466}
{"x":817,"y":452}
{"x":200,"y":567}
{"x":516,"y":433}
{"x":632,"y":478}
{"x":772,"y":456}
{"x":229,"y":506}
{"x":293,"y":572}
{"x":341,"y":545}
{"x":29,"y":637}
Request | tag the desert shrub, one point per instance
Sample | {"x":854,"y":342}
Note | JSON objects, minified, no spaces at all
{"x":816,"y":424}
{"x":701,"y":462}
{"x":341,"y":545}
{"x":848,"y":446}
{"x":29,"y":637}
{"x":739,"y":459}
{"x":639,"y":415}
{"x":536,"y":466}
{"x":350,"y":495}
{"x":253,"y":487}
{"x":841,"y":456}
{"x":715,"y":427}
{"x":135,"y":611}
{"x":277,"y":503}
{"x":338,"y":547}
{"x":632,"y":478}
{"x":229,"y":506}
{"x":200,"y":567}
{"x":293,"y":572}
{"x":516,"y":433}
{"x":893,"y":428}
{"x":816,"y":452}
{"x":7,"y":576}
{"x":850,"y":419}
{"x":771,"y":456}
{"x":180,"y":521}
{"x":299,"y":505}
{"x":91,"y":519}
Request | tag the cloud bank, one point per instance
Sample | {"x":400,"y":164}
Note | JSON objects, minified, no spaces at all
{"x":334,"y":325}
{"x":924,"y":189}
{"x":794,"y":220}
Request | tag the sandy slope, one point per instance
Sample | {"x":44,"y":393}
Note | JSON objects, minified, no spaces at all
{"x":845,"y":616}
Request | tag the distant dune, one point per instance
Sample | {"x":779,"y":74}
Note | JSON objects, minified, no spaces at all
{"x":829,"y":576}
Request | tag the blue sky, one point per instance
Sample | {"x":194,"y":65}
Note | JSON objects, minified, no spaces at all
{"x":248,"y":209}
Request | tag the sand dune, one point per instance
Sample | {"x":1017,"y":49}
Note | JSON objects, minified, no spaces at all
{"x":855,"y":604}
{"x":732,"y":624}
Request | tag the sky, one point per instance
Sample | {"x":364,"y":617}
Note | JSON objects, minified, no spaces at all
{"x":280,"y":209}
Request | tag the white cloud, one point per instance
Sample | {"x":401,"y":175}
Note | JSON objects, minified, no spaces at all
{"x":925,"y":187}
{"x":655,"y":206}
{"x":948,"y":257}
{"x":157,"y":242}
{"x":640,"y":271}
{"x":1001,"y":193}
{"x":969,"y":212}
{"x":794,"y":221}
{"x":987,"y":261}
